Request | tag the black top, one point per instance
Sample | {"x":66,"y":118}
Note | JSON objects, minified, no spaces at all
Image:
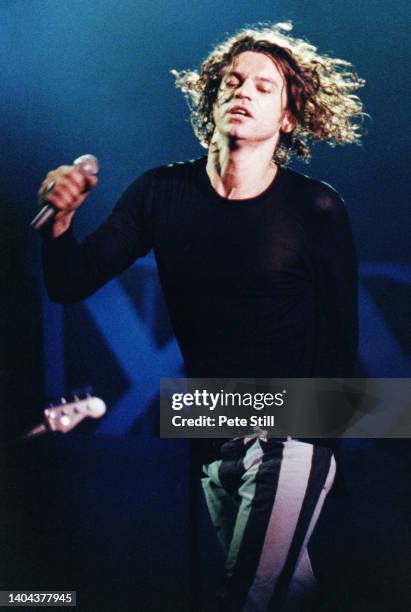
{"x":262,"y":287}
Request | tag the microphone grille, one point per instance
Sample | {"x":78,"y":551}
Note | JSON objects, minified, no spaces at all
{"x":87,"y":164}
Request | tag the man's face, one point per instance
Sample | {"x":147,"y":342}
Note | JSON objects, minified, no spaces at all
{"x":252,"y":100}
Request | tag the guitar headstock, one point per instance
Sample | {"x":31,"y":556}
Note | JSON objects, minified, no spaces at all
{"x":67,"y":415}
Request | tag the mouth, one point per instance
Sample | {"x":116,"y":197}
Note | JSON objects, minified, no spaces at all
{"x":239,"y":111}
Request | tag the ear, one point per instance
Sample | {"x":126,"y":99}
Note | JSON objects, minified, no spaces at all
{"x":288,"y":122}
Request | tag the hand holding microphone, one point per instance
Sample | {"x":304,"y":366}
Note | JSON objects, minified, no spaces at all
{"x":63,"y":191}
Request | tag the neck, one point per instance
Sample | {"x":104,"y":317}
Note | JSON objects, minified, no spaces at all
{"x":240,"y":172}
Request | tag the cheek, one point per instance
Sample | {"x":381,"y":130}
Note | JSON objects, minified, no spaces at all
{"x":223,"y":96}
{"x":274,"y":112}
{"x":217,"y":113}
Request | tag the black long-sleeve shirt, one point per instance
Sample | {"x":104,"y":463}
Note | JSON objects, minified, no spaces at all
{"x":262,"y":287}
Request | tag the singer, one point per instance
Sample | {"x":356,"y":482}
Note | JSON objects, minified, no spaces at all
{"x":259,"y":272}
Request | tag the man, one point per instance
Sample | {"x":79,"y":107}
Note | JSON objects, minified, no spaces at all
{"x":259,"y":273}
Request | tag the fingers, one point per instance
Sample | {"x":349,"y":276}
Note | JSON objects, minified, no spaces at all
{"x":66,"y":188}
{"x":62,"y":174}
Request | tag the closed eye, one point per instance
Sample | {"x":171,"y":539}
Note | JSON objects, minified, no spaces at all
{"x":266,"y":85}
{"x":265,"y":89}
{"x":232,"y":83}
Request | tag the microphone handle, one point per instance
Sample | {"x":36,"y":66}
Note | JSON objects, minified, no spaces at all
{"x":45,"y":213}
{"x":87,"y":165}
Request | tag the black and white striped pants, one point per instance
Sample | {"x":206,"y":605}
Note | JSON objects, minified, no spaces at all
{"x":264,"y":499}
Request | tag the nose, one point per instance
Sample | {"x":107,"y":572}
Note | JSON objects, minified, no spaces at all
{"x":244,"y":90}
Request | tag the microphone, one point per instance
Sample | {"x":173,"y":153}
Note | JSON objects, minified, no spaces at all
{"x":87,"y":165}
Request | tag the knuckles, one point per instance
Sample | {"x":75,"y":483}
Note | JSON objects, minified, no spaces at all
{"x":65,"y":173}
{"x":69,"y":187}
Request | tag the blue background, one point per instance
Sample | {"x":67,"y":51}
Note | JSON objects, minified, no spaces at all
{"x":95,"y":77}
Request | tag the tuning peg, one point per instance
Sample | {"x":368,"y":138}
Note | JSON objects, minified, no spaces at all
{"x":75,"y":394}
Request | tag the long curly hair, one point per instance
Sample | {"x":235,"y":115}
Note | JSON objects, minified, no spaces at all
{"x":320,"y":90}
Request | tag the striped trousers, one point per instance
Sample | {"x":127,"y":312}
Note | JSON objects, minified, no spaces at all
{"x":264,"y":499}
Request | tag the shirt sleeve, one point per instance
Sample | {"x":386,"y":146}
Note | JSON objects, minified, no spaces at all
{"x":337,"y":278}
{"x":74,"y":270}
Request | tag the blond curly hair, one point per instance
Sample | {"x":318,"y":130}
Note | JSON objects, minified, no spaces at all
{"x":320,"y":90}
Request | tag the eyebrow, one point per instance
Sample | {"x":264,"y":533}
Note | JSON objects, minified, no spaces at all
{"x":235,"y":73}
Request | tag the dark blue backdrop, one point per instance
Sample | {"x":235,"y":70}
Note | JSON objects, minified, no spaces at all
{"x":95,"y":77}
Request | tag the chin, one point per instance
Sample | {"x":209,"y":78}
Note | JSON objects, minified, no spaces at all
{"x":237,"y":131}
